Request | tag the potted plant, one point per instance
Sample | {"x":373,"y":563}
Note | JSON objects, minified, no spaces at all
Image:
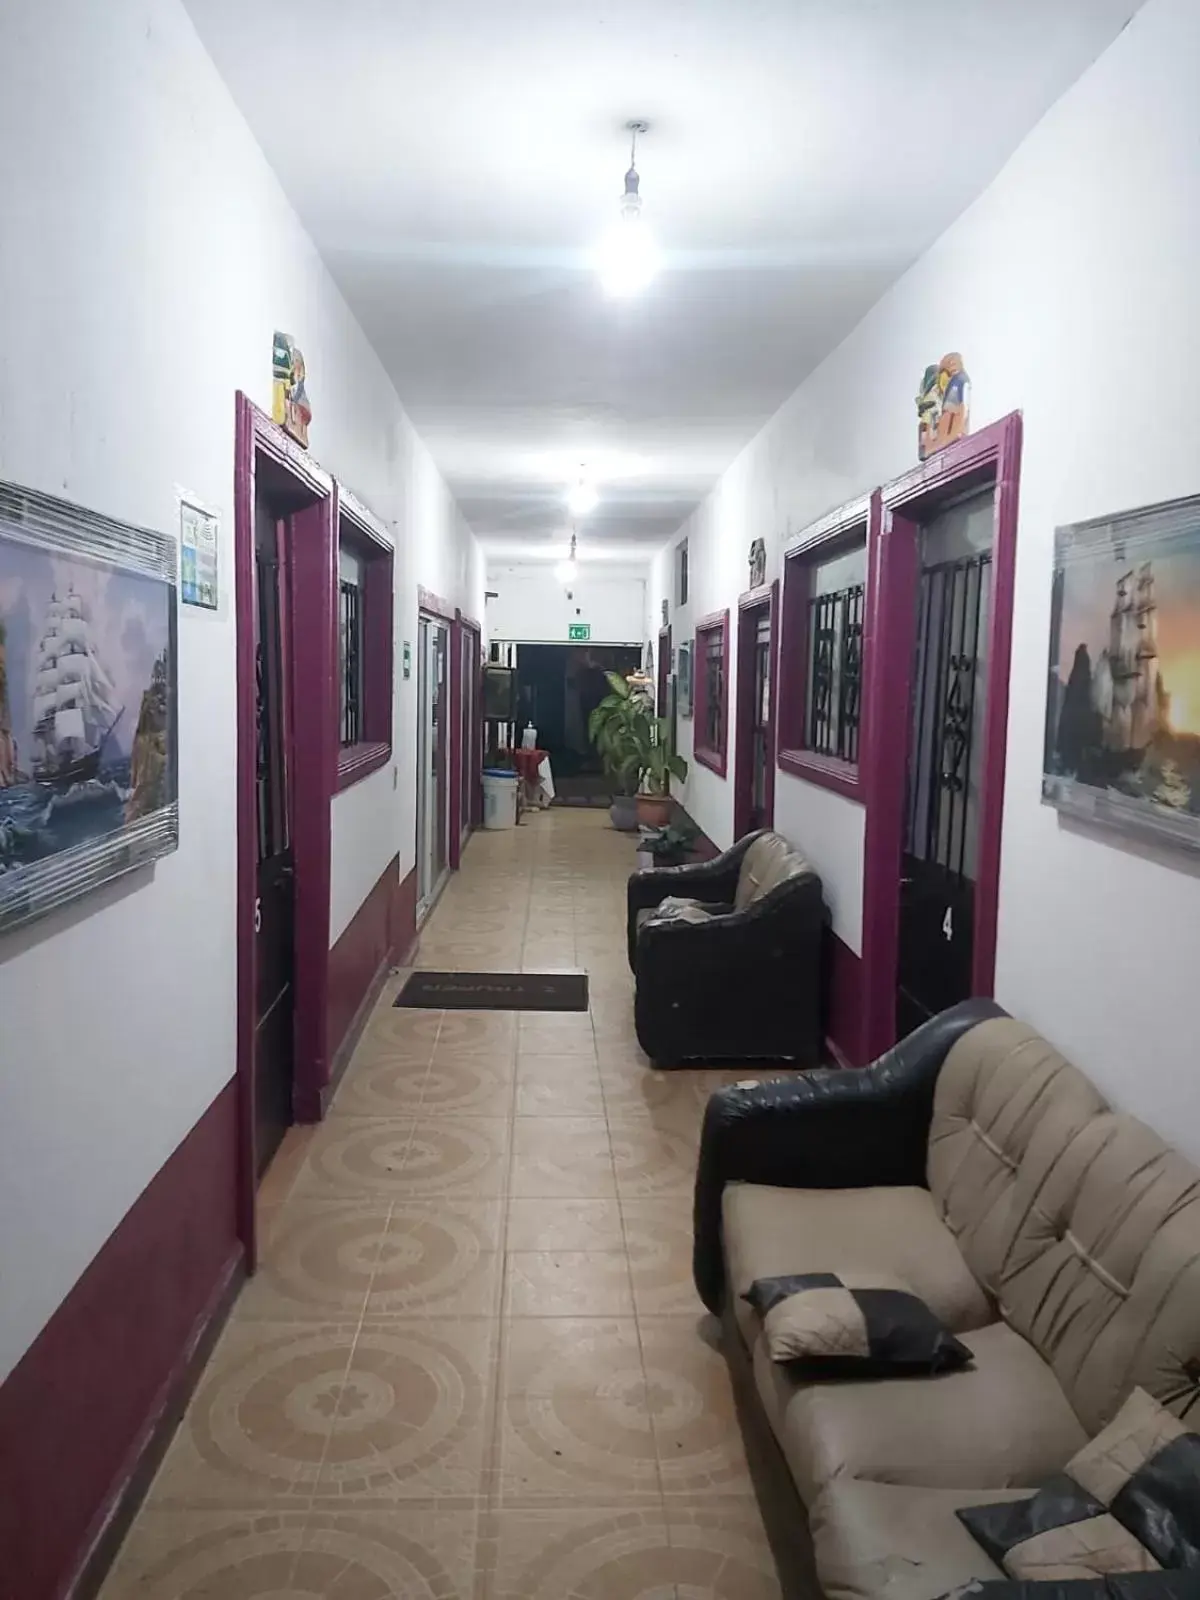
{"x":635,"y":746}
{"x":671,"y":846}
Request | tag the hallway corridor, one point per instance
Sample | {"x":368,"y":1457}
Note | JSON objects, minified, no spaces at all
{"x":472,"y":1365}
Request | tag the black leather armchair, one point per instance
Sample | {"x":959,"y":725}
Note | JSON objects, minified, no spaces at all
{"x":744,"y":983}
{"x":826,"y":1129}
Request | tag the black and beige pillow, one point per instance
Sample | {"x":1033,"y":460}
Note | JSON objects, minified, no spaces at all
{"x":861,"y":1325}
{"x":1128,"y":1502}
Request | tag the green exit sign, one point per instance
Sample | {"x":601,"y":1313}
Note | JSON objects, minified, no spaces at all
{"x":579,"y":630}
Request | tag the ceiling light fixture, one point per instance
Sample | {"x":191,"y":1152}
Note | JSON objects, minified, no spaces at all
{"x":582,"y":498}
{"x":567,"y":571}
{"x":628,"y":256}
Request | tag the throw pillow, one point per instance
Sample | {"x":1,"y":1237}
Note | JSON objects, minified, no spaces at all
{"x":678,"y":908}
{"x":1128,"y":1502}
{"x":859,"y":1325}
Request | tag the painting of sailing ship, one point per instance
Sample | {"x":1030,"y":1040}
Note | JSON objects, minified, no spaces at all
{"x":1123,"y":707}
{"x":87,"y":711}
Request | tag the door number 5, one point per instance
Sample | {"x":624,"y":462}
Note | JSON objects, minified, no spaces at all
{"x":948,"y":924}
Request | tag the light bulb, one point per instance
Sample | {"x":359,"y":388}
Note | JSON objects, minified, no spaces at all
{"x":582,"y":498}
{"x":628,"y":258}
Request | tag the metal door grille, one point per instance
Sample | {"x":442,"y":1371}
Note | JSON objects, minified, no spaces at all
{"x":942,"y":802}
{"x":714,"y":669}
{"x":835,"y":630}
{"x":351,"y":641}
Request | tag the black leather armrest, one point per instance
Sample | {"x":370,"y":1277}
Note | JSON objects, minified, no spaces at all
{"x":1173,"y":1585}
{"x":824,"y":1129}
{"x":713,"y":882}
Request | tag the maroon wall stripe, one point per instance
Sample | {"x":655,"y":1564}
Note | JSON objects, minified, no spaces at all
{"x":83,"y":1406}
{"x":358,"y":963}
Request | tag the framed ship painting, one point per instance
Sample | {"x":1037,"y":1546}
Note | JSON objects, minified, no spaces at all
{"x":88,"y":738}
{"x":1123,"y":704}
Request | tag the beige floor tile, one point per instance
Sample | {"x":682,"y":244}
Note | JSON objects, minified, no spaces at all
{"x":184,"y":1555}
{"x":382,"y":1088}
{"x":397,"y":1034}
{"x":415,"y":1414}
{"x":720,"y":1551}
{"x":285,"y":1166}
{"x":469,"y":1083}
{"x":566,"y":1225}
{"x":650,"y":1160}
{"x":492,"y":1031}
{"x":558,"y":1033}
{"x":567,"y":1283}
{"x":658,"y":1240}
{"x":439,"y":1258}
{"x":256,"y":1431}
{"x":577,"y":1553}
{"x":562,"y":1156}
{"x":466,"y":1157}
{"x":355,"y":1158}
{"x":318,"y":1262}
{"x":573,"y":1419}
{"x":700,"y":1448}
{"x":558,"y":1086}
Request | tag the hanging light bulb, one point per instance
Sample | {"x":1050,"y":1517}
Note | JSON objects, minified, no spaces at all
{"x":567,"y":571}
{"x":628,"y":257}
{"x":582,"y":497}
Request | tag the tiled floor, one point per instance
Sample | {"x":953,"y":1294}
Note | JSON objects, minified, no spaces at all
{"x":472,"y":1366}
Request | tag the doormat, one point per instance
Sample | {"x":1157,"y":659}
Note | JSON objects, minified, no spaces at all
{"x":495,"y":991}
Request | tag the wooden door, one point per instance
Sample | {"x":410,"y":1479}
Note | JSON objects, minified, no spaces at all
{"x":940,"y":860}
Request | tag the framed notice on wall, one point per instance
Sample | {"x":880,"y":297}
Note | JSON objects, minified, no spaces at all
{"x":199,"y":534}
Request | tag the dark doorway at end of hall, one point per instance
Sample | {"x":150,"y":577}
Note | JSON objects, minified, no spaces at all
{"x":558,"y":687}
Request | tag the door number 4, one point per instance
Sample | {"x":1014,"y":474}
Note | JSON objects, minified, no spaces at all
{"x":948,"y":925}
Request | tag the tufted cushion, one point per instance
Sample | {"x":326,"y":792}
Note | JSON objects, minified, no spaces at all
{"x":769,"y":861}
{"x":1082,"y":1224}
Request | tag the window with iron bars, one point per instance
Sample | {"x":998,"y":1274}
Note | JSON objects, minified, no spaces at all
{"x":835,"y":636}
{"x":714,"y":699}
{"x":351,"y":675}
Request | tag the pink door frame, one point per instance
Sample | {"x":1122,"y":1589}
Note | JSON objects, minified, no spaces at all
{"x":992,"y":456}
{"x":450,"y":721}
{"x":311,"y":754}
{"x":751,"y":605}
{"x":468,"y":647}
{"x":662,"y":682}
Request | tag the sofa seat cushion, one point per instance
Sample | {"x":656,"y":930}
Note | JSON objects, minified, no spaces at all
{"x":770,"y":1233}
{"x":1001,"y":1423}
{"x":887,"y":1541}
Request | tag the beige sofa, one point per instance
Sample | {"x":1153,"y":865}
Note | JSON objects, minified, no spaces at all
{"x":1059,"y":1239}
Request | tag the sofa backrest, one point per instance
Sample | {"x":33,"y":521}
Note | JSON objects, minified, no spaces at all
{"x":768,"y":862}
{"x":1081,"y":1223}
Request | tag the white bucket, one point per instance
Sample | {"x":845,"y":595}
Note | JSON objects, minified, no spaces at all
{"x":499,"y":799}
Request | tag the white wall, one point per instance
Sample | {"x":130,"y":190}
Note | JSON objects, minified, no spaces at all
{"x":1071,"y":288}
{"x":148,"y":254}
{"x":532,"y":607}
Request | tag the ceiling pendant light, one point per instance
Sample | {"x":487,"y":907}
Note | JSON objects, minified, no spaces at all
{"x":567,"y":571}
{"x":628,"y":257}
{"x":582,"y":497}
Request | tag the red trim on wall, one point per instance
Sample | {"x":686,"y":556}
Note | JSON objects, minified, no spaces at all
{"x":473,"y":635}
{"x":842,"y":527}
{"x":87,"y":1412}
{"x":311,"y":562}
{"x":715,"y":760}
{"x":663,"y":676}
{"x":843,"y":986}
{"x":359,"y":962}
{"x":750,"y":607}
{"x":991,"y":456}
{"x":404,"y":921}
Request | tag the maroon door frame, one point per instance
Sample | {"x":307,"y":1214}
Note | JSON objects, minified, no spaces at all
{"x":992,"y":456}
{"x":468,"y":648}
{"x":311,"y":752}
{"x":663,"y":680}
{"x":449,"y":752}
{"x":751,"y":606}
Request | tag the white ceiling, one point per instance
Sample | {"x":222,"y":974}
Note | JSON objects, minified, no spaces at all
{"x":456,"y":161}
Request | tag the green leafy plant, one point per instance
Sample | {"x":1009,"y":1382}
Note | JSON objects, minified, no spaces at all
{"x":633,"y":743}
{"x":671,"y":845}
